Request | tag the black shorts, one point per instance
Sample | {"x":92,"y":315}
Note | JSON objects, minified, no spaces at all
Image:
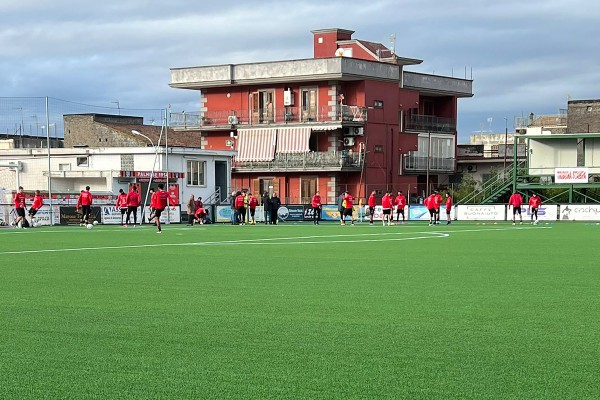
{"x":400,"y":211}
{"x":32,"y":211}
{"x":86,"y":210}
{"x":252,"y":212}
{"x":132,"y":209}
{"x":20,"y":212}
{"x":158,"y":212}
{"x":347,"y":212}
{"x":123,"y":211}
{"x":387,"y":211}
{"x":432,"y":211}
{"x":516,"y":210}
{"x":371,"y":210}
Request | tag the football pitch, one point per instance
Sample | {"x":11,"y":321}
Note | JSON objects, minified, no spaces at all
{"x":297,"y":311}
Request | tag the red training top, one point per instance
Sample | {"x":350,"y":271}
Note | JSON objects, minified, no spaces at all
{"x":371,"y":201}
{"x":121,"y":200}
{"x":162,"y":196}
{"x":448,"y":203}
{"x":239,"y":201}
{"x":515,"y":200}
{"x":349,"y":199}
{"x":38,"y":202}
{"x":535,"y":201}
{"x":19,"y":200}
{"x":133,"y":199}
{"x":85,"y":199}
{"x":401,"y":201}
{"x":386,"y":202}
{"x":316,"y":201}
{"x":253,"y":202}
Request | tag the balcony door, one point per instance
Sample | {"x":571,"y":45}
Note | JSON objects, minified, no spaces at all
{"x":263,"y":107}
{"x":308,"y":187}
{"x":309,"y":104}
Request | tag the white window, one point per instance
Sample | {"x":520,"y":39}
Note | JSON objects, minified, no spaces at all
{"x":196,"y":172}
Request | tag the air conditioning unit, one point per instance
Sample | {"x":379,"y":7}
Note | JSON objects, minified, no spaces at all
{"x":348,"y":141}
{"x":471,"y":167}
{"x":288,"y":97}
{"x":353,"y":131}
{"x":232,"y":120}
{"x":521,"y":131}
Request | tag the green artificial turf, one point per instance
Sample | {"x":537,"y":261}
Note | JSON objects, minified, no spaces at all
{"x":466,"y":311}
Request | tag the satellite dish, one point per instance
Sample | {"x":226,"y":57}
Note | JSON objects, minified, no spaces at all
{"x":339,"y":53}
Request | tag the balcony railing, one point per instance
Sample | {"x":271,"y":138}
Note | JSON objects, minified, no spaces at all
{"x":319,"y":160}
{"x":414,"y":163}
{"x":285,"y":115}
{"x":430,"y":123}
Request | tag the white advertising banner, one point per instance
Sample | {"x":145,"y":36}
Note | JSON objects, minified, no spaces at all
{"x":42,"y":217}
{"x":480,"y":212}
{"x":580,"y":212}
{"x":571,"y":175}
{"x":545,"y":213}
{"x":111,"y":215}
{"x":224,"y":214}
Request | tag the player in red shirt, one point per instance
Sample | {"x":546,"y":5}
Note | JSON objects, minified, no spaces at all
{"x":516,"y":201}
{"x":19,"y":201}
{"x":386,"y":205}
{"x":152,"y":194}
{"x":429,"y":203}
{"x":161,"y":199}
{"x":84,"y":202}
{"x":400,"y":205}
{"x":437,"y":201}
{"x":371,"y":202}
{"x":448,"y":208}
{"x":348,"y":204}
{"x":316,"y":208}
{"x":199,"y":216}
{"x":534,"y":203}
{"x":38,"y":203}
{"x":133,"y":202}
{"x":240,"y":210}
{"x":252,"y":204}
{"x":122,"y":205}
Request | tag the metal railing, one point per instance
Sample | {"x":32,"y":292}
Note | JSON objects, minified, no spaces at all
{"x":414,"y":163}
{"x":307,"y":161}
{"x":284,"y":115}
{"x":431,"y":123}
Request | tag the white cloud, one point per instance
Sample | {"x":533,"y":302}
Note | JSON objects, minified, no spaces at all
{"x":523,"y":55}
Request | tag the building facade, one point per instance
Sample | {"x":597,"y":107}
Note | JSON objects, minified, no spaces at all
{"x":350,"y":118}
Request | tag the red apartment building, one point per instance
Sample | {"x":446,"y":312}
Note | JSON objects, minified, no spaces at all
{"x":350,"y":118}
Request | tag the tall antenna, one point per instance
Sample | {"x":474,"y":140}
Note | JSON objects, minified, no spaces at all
{"x":393,"y":44}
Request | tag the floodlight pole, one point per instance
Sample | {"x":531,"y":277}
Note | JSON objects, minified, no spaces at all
{"x":49,"y":162}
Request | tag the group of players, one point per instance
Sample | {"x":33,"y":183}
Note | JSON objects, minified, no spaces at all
{"x":128,"y":204}
{"x":389,"y":203}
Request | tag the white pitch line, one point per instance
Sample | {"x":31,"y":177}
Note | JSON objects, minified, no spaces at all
{"x":260,"y":241}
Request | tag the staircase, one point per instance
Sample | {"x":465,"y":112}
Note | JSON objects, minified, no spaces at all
{"x":494,"y":188}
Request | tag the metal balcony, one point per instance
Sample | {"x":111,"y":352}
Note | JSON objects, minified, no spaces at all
{"x":313,"y":161}
{"x":430,"y":123}
{"x":416,"y":164}
{"x":268,"y":116}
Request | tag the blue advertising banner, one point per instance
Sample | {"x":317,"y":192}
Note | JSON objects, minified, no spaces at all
{"x":418,"y":213}
{"x":330,"y":212}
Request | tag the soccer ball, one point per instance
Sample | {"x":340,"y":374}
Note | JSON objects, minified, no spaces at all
{"x":89,"y":226}
{"x":95,"y":222}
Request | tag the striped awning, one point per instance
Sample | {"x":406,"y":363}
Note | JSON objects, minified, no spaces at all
{"x":256,"y":144}
{"x":293,"y":140}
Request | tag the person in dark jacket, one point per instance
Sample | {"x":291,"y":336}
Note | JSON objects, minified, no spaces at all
{"x":266,"y":202}
{"x":275,"y":204}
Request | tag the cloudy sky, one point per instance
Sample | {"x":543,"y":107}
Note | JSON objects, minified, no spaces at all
{"x":523,"y":56}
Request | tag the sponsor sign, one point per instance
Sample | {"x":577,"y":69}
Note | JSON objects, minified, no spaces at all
{"x":224,"y":214}
{"x":571,"y":175}
{"x":291,"y":213}
{"x":330,"y":212}
{"x":69,"y":215}
{"x":421,"y":213}
{"x":42,"y":217}
{"x":480,"y":212}
{"x":579,"y":212}
{"x":173,"y":213}
{"x":545,"y":213}
{"x":112,"y":215}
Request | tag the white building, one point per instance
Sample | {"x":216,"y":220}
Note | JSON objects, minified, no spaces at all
{"x":191,"y":171}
